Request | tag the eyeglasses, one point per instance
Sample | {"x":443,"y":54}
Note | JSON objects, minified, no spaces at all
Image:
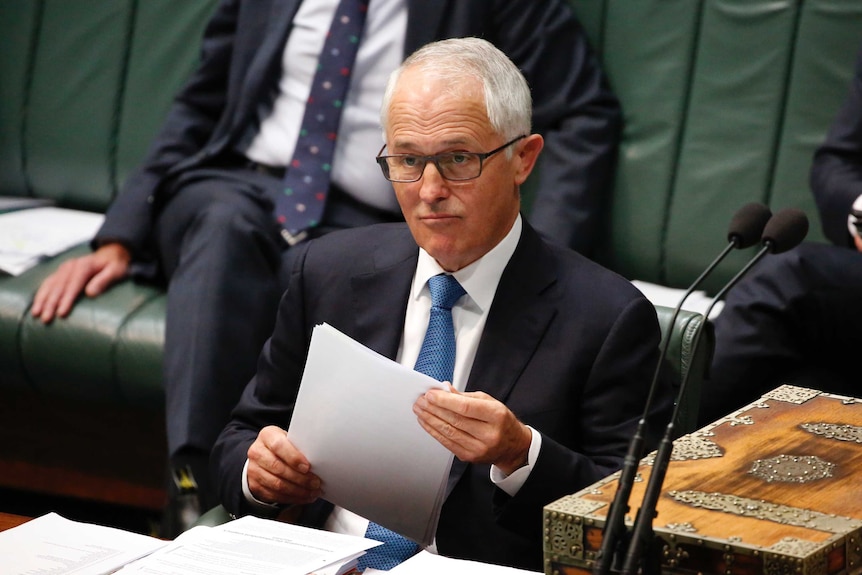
{"x":455,"y":166}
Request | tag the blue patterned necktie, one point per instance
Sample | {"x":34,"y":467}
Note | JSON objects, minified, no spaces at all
{"x":436,"y":359}
{"x":306,"y":181}
{"x":437,"y":356}
{"x":395,"y":549}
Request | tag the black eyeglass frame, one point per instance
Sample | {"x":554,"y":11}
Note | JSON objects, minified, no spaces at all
{"x":384,"y":165}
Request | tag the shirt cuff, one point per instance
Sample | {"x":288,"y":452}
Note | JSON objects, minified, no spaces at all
{"x":511,"y":484}
{"x":251,"y":498}
{"x":851,"y":219}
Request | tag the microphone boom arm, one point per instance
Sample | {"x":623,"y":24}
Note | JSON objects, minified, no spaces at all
{"x":642,"y":530}
{"x":620,"y":505}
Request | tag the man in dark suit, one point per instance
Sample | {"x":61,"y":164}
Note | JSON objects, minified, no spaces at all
{"x":199,"y":211}
{"x":553,"y":352}
{"x":796,"y":318}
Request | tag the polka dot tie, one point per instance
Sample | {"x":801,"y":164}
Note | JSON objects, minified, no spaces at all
{"x":306,"y":181}
{"x":437,"y":359}
{"x":437,"y":356}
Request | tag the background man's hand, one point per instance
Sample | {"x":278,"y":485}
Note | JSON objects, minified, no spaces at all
{"x":91,"y":274}
{"x":278,"y":472}
{"x":475,"y":427}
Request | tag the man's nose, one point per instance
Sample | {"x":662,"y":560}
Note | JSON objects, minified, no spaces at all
{"x":433,"y":185}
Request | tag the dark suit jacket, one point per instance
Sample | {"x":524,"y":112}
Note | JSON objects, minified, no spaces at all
{"x":836,"y":175}
{"x":568,"y":346}
{"x":241,"y":64}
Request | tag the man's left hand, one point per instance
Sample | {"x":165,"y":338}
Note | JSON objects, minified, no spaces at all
{"x":475,"y":427}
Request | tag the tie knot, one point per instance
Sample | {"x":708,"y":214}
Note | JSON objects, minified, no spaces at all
{"x":445,"y":291}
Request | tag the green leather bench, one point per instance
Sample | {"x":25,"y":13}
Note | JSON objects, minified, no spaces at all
{"x":724,"y":102}
{"x":84,"y":85}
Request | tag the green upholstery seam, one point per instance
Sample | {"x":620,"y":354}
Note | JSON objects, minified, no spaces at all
{"x":116,"y":340}
{"x":603,"y":22}
{"x":19,"y":346}
{"x":680,"y":135}
{"x":29,"y":73}
{"x":28,"y":90}
{"x":782,"y":109}
{"x":689,"y":334}
{"x":686,"y":419}
{"x":114,"y":143}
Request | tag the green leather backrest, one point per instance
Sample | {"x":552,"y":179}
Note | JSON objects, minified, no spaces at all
{"x":164,"y":48}
{"x":724,"y":102}
{"x":84,"y":85}
{"x":690,"y":342}
{"x":70,"y":105}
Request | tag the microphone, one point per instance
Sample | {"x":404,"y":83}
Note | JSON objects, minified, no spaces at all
{"x":782,"y":232}
{"x":744,"y":230}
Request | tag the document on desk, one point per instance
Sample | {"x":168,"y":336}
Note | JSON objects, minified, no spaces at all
{"x":54,"y":544}
{"x":354,"y":421}
{"x":253,"y":546}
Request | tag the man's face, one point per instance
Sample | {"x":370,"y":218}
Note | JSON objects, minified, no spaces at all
{"x":456,"y":222}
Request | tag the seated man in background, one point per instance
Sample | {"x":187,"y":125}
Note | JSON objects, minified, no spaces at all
{"x":553,"y":353}
{"x":797,"y":317}
{"x":212,"y":212}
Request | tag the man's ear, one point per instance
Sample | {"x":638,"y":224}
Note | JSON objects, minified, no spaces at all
{"x":526,"y":154}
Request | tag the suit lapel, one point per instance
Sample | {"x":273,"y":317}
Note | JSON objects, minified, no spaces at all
{"x":380,"y":296}
{"x":517,"y":320}
{"x":516,"y":323}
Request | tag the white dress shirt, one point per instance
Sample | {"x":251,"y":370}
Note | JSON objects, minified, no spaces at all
{"x":380,"y":52}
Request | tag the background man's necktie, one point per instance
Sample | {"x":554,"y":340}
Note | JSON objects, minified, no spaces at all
{"x":306,"y":181}
{"x":437,"y":359}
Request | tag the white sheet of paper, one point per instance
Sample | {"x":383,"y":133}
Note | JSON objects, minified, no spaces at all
{"x":54,"y":544}
{"x":354,"y":421}
{"x":251,"y":546}
{"x":425,"y":562}
{"x":28,"y":235}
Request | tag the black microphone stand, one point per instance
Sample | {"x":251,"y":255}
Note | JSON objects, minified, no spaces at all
{"x":608,"y":558}
{"x":745,"y":230}
{"x":783,"y":232}
{"x":642,"y":533}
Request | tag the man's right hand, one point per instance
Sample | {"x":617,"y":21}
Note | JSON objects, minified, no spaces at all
{"x":278,"y":472}
{"x":91,"y":274}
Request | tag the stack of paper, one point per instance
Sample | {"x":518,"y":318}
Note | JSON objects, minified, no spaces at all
{"x":354,"y":422}
{"x":52,"y":544}
{"x":254,"y":546}
{"x":28,"y":236}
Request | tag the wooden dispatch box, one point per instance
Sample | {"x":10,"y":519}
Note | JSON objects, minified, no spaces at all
{"x":774,"y":488}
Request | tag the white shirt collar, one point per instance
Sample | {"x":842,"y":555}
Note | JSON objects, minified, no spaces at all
{"x":478,"y":279}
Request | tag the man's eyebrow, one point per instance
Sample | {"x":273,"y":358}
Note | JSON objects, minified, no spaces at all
{"x":412,"y":148}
